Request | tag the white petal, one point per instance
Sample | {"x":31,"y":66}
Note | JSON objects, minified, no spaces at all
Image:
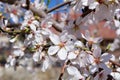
{"x":84,"y":2}
{"x":14,"y":18}
{"x":78,"y":44}
{"x":62,"y":54}
{"x":106,"y":57}
{"x":93,"y":68}
{"x":118,"y":31}
{"x":116,"y":75}
{"x":14,"y":39}
{"x":72,"y":55}
{"x":33,"y":27}
{"x":35,"y":22}
{"x":72,"y":70}
{"x":55,"y":39}
{"x":18,"y":52}
{"x":98,"y":40}
{"x":108,"y":70}
{"x":97,"y":52}
{"x":53,"y":50}
{"x":36,"y":56}
{"x":117,"y":23}
{"x":93,"y":5}
{"x":13,"y":62}
{"x":86,"y":36}
{"x":45,"y":64}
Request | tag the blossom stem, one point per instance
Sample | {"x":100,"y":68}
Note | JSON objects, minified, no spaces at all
{"x":63,"y":69}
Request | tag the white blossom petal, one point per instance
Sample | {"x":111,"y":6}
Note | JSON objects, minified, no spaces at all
{"x":36,"y":56}
{"x":33,"y":27}
{"x":53,"y":50}
{"x":97,"y":52}
{"x":106,"y":57}
{"x":74,"y":72}
{"x":62,"y":54}
{"x":45,"y":64}
{"x":93,"y":5}
{"x":72,"y":55}
{"x":55,"y":39}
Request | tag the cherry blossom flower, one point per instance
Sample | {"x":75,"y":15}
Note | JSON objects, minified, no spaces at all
{"x":61,"y":45}
{"x":98,"y":60}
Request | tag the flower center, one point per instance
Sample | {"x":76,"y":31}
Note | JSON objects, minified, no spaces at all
{"x":14,"y":12}
{"x":97,"y":60}
{"x":62,"y":44}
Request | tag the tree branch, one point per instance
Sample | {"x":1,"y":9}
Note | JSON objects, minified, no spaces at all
{"x":8,"y":1}
{"x":42,"y":14}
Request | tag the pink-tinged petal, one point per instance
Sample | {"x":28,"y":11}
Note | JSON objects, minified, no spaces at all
{"x":55,"y":39}
{"x":97,"y":52}
{"x":62,"y":54}
{"x":106,"y":57}
{"x":53,"y":50}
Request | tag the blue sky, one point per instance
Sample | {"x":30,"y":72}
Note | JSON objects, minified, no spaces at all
{"x":53,"y":2}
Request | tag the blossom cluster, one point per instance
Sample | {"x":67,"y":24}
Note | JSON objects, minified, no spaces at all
{"x":44,"y":40}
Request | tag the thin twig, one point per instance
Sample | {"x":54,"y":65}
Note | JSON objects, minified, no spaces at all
{"x":63,"y":69}
{"x":13,"y":25}
{"x":115,"y":63}
{"x":10,"y":32}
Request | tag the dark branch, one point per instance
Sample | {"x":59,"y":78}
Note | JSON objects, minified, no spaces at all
{"x":13,"y":25}
{"x":10,"y":32}
{"x":9,"y":1}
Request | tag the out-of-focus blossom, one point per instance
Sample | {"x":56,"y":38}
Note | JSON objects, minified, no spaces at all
{"x":91,"y":39}
{"x":73,"y":71}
